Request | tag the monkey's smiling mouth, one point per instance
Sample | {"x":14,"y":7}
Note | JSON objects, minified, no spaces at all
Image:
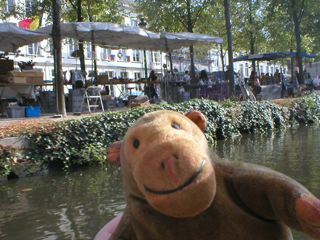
{"x":181,"y":187}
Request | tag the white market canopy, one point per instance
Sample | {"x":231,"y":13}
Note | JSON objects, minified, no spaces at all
{"x":12,"y":37}
{"x":171,"y":41}
{"x":121,"y":36}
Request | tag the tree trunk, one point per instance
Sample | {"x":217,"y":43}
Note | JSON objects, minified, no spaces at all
{"x":95,"y":67}
{"x":190,"y":29}
{"x":252,"y":51}
{"x":56,"y":38}
{"x":221,"y":56}
{"x":170,"y":62}
{"x":251,"y":37}
{"x":81,"y":49}
{"x":230,"y":50}
{"x":298,"y":39}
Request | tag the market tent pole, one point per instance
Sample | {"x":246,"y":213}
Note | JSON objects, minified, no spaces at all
{"x":143,"y":25}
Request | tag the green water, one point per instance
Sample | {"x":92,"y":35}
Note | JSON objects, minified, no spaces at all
{"x":78,"y":204}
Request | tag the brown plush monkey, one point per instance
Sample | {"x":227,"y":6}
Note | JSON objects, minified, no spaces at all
{"x":178,"y":188}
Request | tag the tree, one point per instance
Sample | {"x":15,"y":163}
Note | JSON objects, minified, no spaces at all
{"x":176,"y":15}
{"x":295,"y":13}
{"x":213,"y":23}
{"x":248,"y":29}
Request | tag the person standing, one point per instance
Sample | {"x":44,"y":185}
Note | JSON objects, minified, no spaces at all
{"x":277,"y":77}
{"x":296,"y":80}
{"x":186,"y":77}
{"x":150,"y":89}
{"x":306,"y":75}
{"x":252,"y":77}
{"x":283,"y":86}
{"x":316,"y":82}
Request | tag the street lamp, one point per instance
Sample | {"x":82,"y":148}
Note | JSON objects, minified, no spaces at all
{"x":143,"y":25}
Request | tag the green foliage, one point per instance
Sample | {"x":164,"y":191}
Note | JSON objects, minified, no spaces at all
{"x":94,"y":11}
{"x":84,"y":141}
{"x":260,"y":117}
{"x":173,"y":16}
{"x":306,"y":110}
{"x":6,"y":159}
{"x":248,"y":26}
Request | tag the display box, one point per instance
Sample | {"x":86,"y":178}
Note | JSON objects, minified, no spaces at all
{"x":35,"y":78}
{"x":6,"y":66}
{"x":18,"y":77}
{"x":32,"y":111}
{"x":15,"y":111}
{"x":13,"y":77}
{"x":102,"y":79}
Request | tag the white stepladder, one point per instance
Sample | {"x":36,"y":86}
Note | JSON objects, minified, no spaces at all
{"x":93,"y":98}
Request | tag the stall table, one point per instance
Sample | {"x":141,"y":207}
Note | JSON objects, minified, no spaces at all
{"x":15,"y":92}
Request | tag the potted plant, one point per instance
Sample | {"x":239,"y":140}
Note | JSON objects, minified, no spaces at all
{"x":26,"y":65}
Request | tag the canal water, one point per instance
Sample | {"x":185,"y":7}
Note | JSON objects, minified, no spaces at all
{"x":76,"y":205}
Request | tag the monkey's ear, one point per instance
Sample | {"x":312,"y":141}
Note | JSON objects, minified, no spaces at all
{"x":198,"y":118}
{"x":113,"y":153}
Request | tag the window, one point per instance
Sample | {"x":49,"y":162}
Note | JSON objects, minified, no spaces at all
{"x":241,"y":70}
{"x":33,"y":49}
{"x":73,"y":46}
{"x":136,"y":56}
{"x":134,"y":22}
{"x":105,"y":54}
{"x":137,"y":75}
{"x":156,"y":57}
{"x":90,"y":53}
{"x":53,"y":74}
{"x":112,"y":90}
{"x":49,"y":47}
{"x":247,"y":70}
{"x":10,"y":6}
{"x":110,"y":74}
{"x":124,"y":74}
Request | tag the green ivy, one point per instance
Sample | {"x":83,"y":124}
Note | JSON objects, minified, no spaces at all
{"x":83,"y":141}
{"x":7,"y":159}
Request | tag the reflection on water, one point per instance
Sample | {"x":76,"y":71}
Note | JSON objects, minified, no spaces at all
{"x":78,"y":204}
{"x":64,"y":206}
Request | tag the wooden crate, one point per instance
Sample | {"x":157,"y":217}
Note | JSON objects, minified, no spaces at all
{"x":102,"y":79}
{"x":6,"y":66}
{"x":35,"y":78}
{"x":13,"y":77}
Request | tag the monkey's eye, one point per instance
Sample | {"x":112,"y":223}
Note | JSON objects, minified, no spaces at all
{"x":176,"y":126}
{"x":136,"y":143}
